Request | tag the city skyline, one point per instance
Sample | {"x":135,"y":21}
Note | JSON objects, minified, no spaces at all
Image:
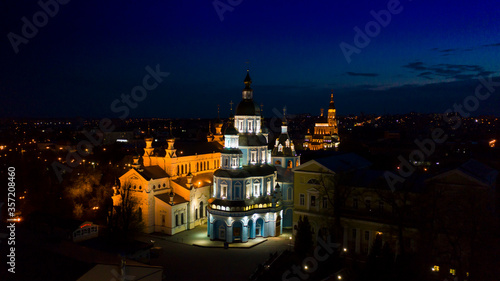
{"x":386,"y":57}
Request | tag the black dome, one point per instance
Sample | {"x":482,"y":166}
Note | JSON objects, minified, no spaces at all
{"x":247,"y":107}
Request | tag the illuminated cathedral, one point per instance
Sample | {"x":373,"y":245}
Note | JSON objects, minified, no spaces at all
{"x":326,"y":132}
{"x":246,"y":198}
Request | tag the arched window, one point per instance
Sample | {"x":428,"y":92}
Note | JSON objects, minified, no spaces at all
{"x":277,"y":162}
{"x":290,"y":164}
{"x":313,"y":181}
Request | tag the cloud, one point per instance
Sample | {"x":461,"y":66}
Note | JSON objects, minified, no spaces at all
{"x":426,"y":74}
{"x":362,"y":74}
{"x":447,"y":70}
{"x":492,"y":45}
{"x":435,"y":97}
{"x":450,"y":51}
{"x":447,"y":50}
{"x":416,"y":66}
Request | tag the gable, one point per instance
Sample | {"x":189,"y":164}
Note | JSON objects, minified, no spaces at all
{"x":457,"y":177}
{"x":311,"y":166}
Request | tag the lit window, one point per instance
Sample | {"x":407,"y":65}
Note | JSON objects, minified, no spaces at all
{"x":256,"y":189}
{"x":452,"y":271}
{"x":254,"y":156}
{"x":435,"y":268}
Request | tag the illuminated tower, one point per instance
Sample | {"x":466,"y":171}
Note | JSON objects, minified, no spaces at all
{"x":245,"y":199}
{"x":332,"y":119}
{"x":326,"y":131}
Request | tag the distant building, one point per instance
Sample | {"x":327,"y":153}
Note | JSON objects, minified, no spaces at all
{"x":245,"y":201}
{"x":285,"y":159}
{"x":326,"y":132}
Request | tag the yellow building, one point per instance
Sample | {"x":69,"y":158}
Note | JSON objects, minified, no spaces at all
{"x":173,"y":188}
{"x":325,"y":133}
{"x":314,"y":186}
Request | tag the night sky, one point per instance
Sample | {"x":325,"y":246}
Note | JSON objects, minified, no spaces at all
{"x":88,"y":54}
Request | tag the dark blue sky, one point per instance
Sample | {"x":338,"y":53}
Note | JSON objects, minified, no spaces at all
{"x":427,"y":57}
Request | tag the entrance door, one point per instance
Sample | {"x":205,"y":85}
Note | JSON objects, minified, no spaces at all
{"x":222,"y":232}
{"x":237,"y":230}
{"x":259,"y":227}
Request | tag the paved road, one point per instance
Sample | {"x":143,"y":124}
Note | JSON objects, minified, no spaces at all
{"x":186,"y":262}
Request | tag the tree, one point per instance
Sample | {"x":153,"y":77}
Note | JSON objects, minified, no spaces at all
{"x":303,"y":238}
{"x":87,"y":192}
{"x":336,"y":189}
{"x":127,"y":216}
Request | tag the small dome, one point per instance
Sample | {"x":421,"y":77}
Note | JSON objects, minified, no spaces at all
{"x":231,"y":130}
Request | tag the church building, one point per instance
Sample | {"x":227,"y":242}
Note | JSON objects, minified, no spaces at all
{"x":245,"y":199}
{"x":171,"y":187}
{"x":326,"y":132}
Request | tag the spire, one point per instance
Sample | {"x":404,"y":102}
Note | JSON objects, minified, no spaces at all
{"x":284,"y":125}
{"x":170,"y":133}
{"x":247,"y":93}
{"x":284,"y":116}
{"x":247,"y":80}
{"x":332,"y":104}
